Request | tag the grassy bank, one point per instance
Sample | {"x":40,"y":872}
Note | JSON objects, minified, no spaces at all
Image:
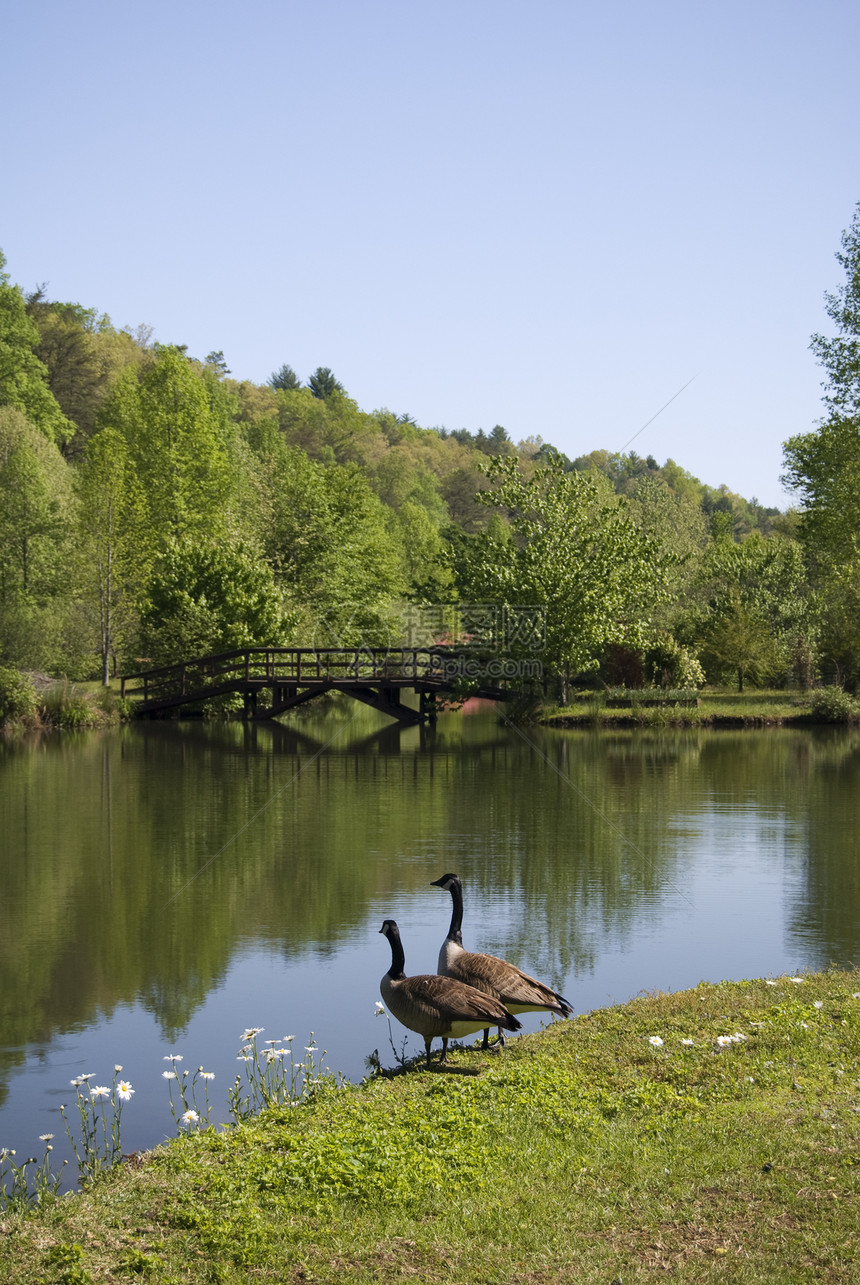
{"x":714,"y":707}
{"x":704,"y":1136}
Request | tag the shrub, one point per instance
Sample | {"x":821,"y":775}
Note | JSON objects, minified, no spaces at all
{"x":17,"y":696}
{"x":65,"y":706}
{"x":833,"y":705}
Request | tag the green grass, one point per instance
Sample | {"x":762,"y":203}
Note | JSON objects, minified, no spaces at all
{"x":717,"y":706}
{"x":585,"y":1153}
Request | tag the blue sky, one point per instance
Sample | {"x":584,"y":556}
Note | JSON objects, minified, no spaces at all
{"x":545,"y":215}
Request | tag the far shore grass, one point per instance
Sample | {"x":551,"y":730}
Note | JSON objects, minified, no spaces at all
{"x":713,"y":707}
{"x":711,"y":1135}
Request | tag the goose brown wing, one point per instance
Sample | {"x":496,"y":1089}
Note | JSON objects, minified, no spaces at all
{"x":509,"y":983}
{"x":453,"y":1000}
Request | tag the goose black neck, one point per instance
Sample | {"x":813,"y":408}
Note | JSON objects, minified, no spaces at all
{"x":398,"y":959}
{"x":454,"y":932}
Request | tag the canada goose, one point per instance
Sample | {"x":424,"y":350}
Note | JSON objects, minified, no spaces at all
{"x":517,"y":991}
{"x":434,"y":1005}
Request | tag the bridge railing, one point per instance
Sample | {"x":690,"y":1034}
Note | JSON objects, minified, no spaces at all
{"x":284,"y":666}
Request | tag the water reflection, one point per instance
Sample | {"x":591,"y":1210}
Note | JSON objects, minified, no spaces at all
{"x":142,"y":869}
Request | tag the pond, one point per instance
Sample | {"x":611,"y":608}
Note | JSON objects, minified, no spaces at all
{"x":165,"y":885}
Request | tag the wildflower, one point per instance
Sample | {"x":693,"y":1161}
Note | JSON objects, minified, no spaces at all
{"x":190,"y":1117}
{"x":818,"y":1003}
{"x":724,"y":1040}
{"x":91,"y":1075}
{"x":124,"y":1090}
{"x":687,"y":1042}
{"x":738,"y":1038}
{"x":100,"y":1091}
{"x":252,"y":1031}
{"x":45,"y":1137}
{"x":171,"y":1057}
{"x":75,"y":1082}
{"x":117,"y":1068}
{"x":856,"y":995}
{"x":311,"y":1048}
{"x":768,"y":981}
{"x":207,"y":1075}
{"x":288,"y":1038}
{"x":798,"y":981}
{"x":380,"y":1009}
{"x":656,"y":1041}
{"x":168,"y":1075}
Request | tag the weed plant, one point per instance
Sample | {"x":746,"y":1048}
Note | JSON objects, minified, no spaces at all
{"x":97,"y":1141}
{"x":273,"y":1077}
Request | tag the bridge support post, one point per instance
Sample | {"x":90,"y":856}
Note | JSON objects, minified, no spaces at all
{"x":427,"y":706}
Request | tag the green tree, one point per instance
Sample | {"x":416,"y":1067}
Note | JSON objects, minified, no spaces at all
{"x":823,"y":466}
{"x":206,"y":596}
{"x":756,"y":618}
{"x":35,"y":514}
{"x":573,"y":551}
{"x":23,"y":377}
{"x":175,"y":419}
{"x":327,"y":537}
{"x":322,"y":383}
{"x":285,"y":379}
{"x":110,"y":525}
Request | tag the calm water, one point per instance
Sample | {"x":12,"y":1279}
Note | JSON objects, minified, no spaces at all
{"x":164,"y":886}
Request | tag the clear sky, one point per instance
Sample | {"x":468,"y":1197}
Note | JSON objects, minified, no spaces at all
{"x":545,"y":214}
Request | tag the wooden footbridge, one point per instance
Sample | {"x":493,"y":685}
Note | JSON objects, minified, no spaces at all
{"x":272,"y":680}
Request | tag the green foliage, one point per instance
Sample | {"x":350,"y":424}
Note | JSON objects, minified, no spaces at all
{"x":327,"y":537}
{"x":574,"y":552}
{"x":823,"y":466}
{"x":17,"y":696}
{"x":175,"y":422}
{"x":833,"y":705}
{"x":67,"y":706}
{"x":23,"y":377}
{"x":757,"y":613}
{"x":668,"y":664}
{"x":322,"y":383}
{"x":285,"y":379}
{"x":111,"y":509}
{"x":35,"y":507}
{"x":207,"y":596}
